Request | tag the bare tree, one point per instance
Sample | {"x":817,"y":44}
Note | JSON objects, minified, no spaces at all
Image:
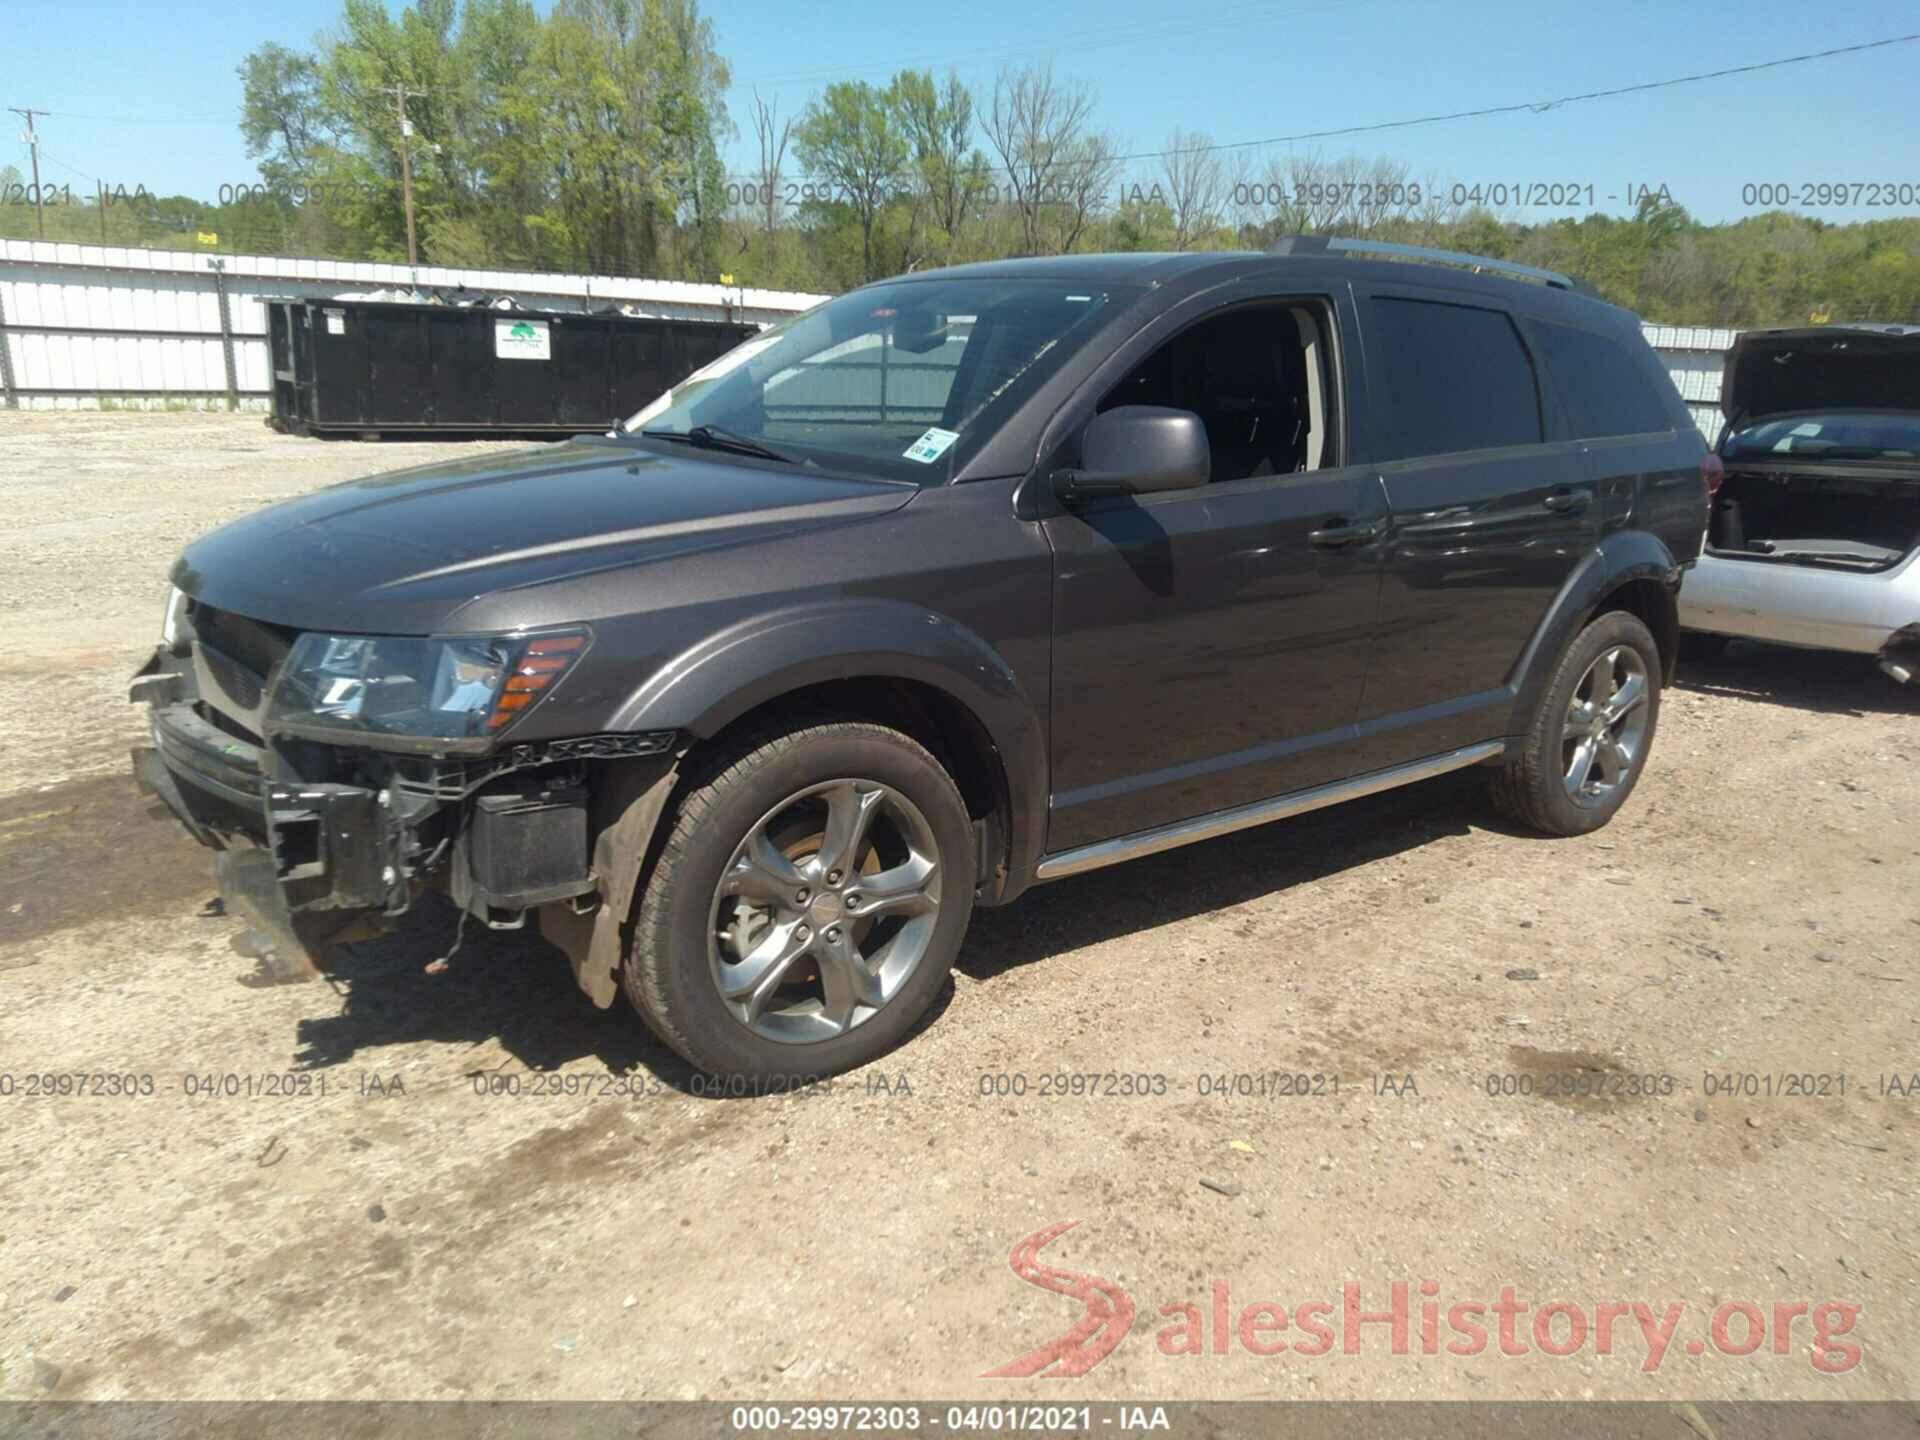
{"x":1434,"y":216}
{"x":773,"y":135}
{"x":1059,"y":169}
{"x":1307,"y":194}
{"x":1196,"y":182}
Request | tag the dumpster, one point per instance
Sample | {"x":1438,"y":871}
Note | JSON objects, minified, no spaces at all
{"x":372,"y":367}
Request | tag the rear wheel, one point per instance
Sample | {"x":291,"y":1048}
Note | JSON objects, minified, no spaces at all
{"x":1588,"y":742}
{"x":807,"y":905}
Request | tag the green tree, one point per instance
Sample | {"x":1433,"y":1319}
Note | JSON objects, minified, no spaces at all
{"x":948,"y":168}
{"x":852,"y":138}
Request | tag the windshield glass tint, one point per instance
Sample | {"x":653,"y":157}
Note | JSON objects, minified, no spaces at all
{"x":896,"y":379}
{"x":1858,"y":435}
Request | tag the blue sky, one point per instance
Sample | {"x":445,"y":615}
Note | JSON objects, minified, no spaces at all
{"x":147,"y":94}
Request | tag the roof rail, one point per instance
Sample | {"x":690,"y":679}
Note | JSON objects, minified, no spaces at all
{"x":1385,"y":250}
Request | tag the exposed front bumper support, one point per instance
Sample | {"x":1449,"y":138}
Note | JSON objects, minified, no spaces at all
{"x":305,"y":866}
{"x":322,"y":845}
{"x":289,"y":944}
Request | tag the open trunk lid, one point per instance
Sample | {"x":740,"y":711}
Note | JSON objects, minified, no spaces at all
{"x":1831,"y":367}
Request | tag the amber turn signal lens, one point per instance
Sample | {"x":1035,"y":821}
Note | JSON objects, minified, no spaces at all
{"x":541,"y":661}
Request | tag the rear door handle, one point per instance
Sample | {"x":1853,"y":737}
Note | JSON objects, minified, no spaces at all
{"x":1565,"y":502}
{"x":1338,"y":535}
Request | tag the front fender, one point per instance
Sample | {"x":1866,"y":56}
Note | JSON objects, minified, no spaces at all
{"x":713,"y":683}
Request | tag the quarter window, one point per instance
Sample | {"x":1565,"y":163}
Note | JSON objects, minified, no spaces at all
{"x":1605,"y":389}
{"x":1448,"y":378}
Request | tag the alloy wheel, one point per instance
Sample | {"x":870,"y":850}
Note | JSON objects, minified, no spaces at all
{"x":825,"y":911}
{"x":1606,"y":730}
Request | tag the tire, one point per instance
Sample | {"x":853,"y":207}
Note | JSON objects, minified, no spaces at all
{"x":1536,"y":785}
{"x":694,"y":934}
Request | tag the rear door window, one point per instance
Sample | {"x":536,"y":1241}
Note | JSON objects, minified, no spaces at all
{"x":1605,"y":388}
{"x":1447,"y":378}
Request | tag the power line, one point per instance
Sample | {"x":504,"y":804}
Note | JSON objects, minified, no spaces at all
{"x":140,"y":119}
{"x":1536,"y":107}
{"x":72,"y":169}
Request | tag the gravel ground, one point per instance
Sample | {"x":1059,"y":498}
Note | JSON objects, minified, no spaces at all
{"x":481,"y":1187}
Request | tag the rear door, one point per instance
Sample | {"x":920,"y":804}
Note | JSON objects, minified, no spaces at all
{"x":1492,"y":508}
{"x":1638,"y":440}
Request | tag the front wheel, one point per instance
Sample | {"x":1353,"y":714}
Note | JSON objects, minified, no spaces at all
{"x":1588,"y":743}
{"x":808,"y":904}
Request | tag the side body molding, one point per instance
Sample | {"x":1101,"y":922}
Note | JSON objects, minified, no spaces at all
{"x":719,"y":679}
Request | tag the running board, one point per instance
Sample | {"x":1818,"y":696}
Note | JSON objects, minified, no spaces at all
{"x":1245,"y":817}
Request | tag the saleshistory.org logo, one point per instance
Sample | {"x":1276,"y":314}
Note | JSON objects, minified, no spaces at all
{"x":1509,"y":1325}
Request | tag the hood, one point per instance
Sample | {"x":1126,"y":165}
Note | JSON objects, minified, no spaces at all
{"x":1834,"y":367}
{"x":402,"y":553}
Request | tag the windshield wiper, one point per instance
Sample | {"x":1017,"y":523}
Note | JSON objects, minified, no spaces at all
{"x":711,"y":437}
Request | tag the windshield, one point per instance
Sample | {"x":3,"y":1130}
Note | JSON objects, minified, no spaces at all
{"x":1854,"y":435}
{"x":899,"y":379}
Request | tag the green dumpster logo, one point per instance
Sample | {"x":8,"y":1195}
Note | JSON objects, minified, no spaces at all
{"x":522,"y":340}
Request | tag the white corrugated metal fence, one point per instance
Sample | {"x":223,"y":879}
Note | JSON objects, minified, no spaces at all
{"x":83,"y":325}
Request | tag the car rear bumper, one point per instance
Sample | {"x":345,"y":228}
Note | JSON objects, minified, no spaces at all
{"x":1803,"y":605}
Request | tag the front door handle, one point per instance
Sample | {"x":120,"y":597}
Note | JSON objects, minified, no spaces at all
{"x":1338,"y":535}
{"x":1565,"y":502}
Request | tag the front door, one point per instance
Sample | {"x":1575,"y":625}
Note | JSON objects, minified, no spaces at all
{"x":1209,"y":647}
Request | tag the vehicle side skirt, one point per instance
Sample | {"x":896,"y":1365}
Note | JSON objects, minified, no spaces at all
{"x":1260,"y":812}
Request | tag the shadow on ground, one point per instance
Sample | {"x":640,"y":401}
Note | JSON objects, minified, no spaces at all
{"x":508,"y":986}
{"x":1827,"y":682}
{"x":85,"y":851}
{"x":514,"y":988}
{"x":1178,"y":884}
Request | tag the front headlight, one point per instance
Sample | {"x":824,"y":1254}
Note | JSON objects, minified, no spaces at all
{"x":170,"y":621}
{"x":453,"y":690}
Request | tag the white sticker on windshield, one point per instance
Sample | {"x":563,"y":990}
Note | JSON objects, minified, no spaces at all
{"x":1811,"y":428}
{"x":932,"y":445}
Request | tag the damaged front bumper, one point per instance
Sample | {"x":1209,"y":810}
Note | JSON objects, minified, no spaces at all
{"x":320,"y":845}
{"x":304,"y":865}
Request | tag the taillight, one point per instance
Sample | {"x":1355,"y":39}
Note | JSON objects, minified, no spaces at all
{"x":1712,"y":472}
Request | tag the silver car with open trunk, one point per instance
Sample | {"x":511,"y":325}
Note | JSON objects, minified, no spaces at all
{"x":1814,"y":534}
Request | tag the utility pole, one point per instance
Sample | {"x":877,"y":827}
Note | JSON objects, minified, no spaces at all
{"x":33,"y":145}
{"x":400,"y":94}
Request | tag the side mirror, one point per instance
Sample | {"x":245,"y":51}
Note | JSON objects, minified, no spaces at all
{"x":1138,"y":450}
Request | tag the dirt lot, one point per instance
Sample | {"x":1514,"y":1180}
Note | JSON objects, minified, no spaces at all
{"x":456,"y":1202}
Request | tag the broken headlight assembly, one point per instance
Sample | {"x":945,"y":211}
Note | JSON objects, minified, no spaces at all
{"x":173,"y":618}
{"x":407,"y":692}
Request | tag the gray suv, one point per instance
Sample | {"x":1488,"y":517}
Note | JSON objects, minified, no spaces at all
{"x":954,"y":584}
